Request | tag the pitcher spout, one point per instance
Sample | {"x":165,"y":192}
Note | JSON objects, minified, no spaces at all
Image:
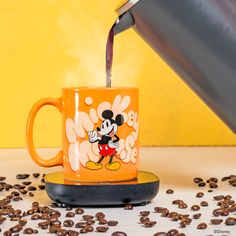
{"x":124,"y":22}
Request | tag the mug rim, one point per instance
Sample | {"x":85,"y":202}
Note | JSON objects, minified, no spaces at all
{"x":98,"y":88}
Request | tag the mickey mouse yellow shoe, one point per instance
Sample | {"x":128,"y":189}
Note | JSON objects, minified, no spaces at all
{"x":113,"y":166}
{"x":93,"y":165}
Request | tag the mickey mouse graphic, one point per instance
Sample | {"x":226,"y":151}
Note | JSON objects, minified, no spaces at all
{"x":107,"y":140}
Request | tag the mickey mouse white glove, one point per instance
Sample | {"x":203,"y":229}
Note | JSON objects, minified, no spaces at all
{"x":93,"y":136}
{"x":111,"y":144}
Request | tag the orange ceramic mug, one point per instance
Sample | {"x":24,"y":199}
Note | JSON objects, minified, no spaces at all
{"x":100,"y":133}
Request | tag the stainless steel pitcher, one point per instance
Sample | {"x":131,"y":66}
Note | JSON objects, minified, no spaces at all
{"x":197,"y":38}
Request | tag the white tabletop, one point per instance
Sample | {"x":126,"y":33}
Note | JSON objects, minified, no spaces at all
{"x":176,"y":168}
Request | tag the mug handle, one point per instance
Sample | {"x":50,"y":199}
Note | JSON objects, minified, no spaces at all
{"x":58,"y":159}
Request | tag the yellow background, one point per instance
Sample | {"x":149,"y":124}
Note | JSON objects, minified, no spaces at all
{"x":48,"y":44}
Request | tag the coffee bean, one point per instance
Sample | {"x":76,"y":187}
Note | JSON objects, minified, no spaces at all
{"x":144,"y":213}
{"x":165,"y":213}
{"x":35,"y":217}
{"x":70,"y":214}
{"x":202,"y":226}
{"x":31,"y":194}
{"x":41,"y":186}
{"x":16,"y":229}
{"x":83,"y":231}
{"x":201,"y":184}
{"x":209,"y":190}
{"x":2,"y":178}
{"x":72,"y":233}
{"x":224,"y":178}
{"x":118,"y":233}
{"x":183,"y":206}
{"x":159,"y":209}
{"x":26,"y":183}
{"x":53,"y":229}
{"x":36,"y":175}
{"x":43,"y":225}
{"x":224,"y":212}
{"x":197,"y":180}
{"x":128,"y":207}
{"x":143,"y":219}
{"x":177,"y":202}
{"x":80,"y":225}
{"x":28,"y":231}
{"x":204,"y":204}
{"x":22,"y":176}
{"x":195,"y":208}
{"x":172,"y":232}
{"x":62,"y":232}
{"x":79,"y":211}
{"x":102,"y":221}
{"x":149,"y":224}
{"x":199,"y":194}
{"x":216,"y":221}
{"x":68,"y":223}
{"x":213,"y":185}
{"x":212,"y":179}
{"x":160,"y":234}
{"x":169,"y":191}
{"x":89,"y":228}
{"x":22,"y":222}
{"x":7,"y":233}
{"x":197,"y":216}
{"x":218,"y":197}
{"x":230,"y":221}
{"x":31,"y":188}
{"x":87,"y":217}
{"x":23,"y":191}
{"x":101,"y":229}
{"x":112,"y":223}
{"x":217,"y":212}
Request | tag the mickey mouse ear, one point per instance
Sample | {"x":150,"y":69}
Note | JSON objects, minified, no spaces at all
{"x":119,"y":120}
{"x":107,"y":114}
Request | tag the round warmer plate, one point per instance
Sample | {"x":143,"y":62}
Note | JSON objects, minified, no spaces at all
{"x":140,"y":191}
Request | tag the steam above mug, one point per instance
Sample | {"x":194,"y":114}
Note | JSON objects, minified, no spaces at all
{"x":197,"y":39}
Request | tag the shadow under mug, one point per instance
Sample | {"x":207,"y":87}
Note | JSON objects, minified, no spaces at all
{"x":100,"y":133}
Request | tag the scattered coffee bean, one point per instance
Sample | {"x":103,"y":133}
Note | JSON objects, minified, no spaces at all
{"x":87,"y":217}
{"x":197,"y":180}
{"x":199,"y":194}
{"x":79,"y":211}
{"x":26,"y":183}
{"x":195,"y":208}
{"x":73,"y":233}
{"x":102,"y":221}
{"x":201,"y":184}
{"x":22,"y":176}
{"x":70,"y":214}
{"x":172,"y":232}
{"x":36,"y":175}
{"x":183,"y":205}
{"x":41,"y":186}
{"x":112,"y":223}
{"x":213,"y":185}
{"x":101,"y":229}
{"x":149,"y":224}
{"x":204,"y":204}
{"x":31,"y":188}
{"x":202,"y":226}
{"x":216,"y":221}
{"x":118,"y":233}
{"x":62,"y":232}
{"x":68,"y":223}
{"x":144,"y":213}
{"x":197,"y":216}
{"x":169,"y":191}
{"x":230,"y":221}
{"x":53,"y":229}
{"x":160,"y":234}
{"x":28,"y":231}
{"x":89,"y":228}
{"x":2,"y":178}
{"x":80,"y":225}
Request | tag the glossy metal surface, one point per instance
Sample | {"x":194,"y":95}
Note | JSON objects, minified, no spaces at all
{"x":197,"y":39}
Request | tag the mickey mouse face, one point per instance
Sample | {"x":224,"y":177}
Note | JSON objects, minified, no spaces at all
{"x":109,"y":126}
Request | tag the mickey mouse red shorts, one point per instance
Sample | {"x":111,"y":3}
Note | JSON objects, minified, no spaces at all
{"x":105,"y":150}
